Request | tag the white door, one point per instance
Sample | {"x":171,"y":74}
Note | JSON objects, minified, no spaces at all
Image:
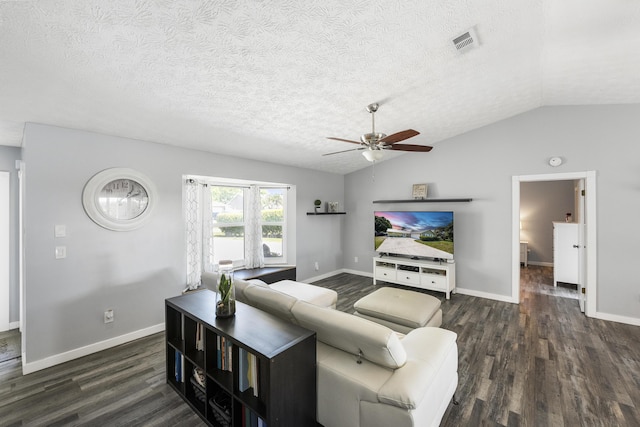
{"x":4,"y":251}
{"x":566,"y":251}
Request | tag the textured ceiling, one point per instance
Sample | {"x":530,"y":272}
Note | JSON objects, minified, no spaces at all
{"x":270,"y":80}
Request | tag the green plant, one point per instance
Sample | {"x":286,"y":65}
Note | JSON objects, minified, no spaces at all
{"x":224,"y":288}
{"x":225,"y":306}
{"x":317,"y":203}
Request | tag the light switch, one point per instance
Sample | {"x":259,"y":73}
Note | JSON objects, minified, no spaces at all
{"x":61,"y":252}
{"x":60,"y":230}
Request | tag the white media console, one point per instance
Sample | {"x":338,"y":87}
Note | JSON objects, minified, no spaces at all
{"x":431,"y":275}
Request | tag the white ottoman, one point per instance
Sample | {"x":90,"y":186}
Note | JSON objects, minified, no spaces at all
{"x":313,"y":294}
{"x":399,"y":309}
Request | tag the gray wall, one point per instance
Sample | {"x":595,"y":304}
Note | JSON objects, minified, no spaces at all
{"x":132,"y":272}
{"x":541,"y":203}
{"x":8,"y":157}
{"x":481,"y":164}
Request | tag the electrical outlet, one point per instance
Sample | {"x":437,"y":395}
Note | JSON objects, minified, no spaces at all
{"x":108,"y":316}
{"x":355,"y":259}
{"x":61,"y":252}
{"x":317,"y":266}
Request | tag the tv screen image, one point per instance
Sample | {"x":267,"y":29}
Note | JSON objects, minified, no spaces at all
{"x":414,"y":234}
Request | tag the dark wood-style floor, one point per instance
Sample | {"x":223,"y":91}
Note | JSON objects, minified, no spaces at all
{"x":539,"y":363}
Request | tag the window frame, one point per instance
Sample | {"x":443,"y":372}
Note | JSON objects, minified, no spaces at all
{"x":268,"y":261}
{"x":282,"y":258}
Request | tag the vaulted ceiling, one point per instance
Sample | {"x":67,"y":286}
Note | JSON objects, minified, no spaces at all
{"x":270,"y":80}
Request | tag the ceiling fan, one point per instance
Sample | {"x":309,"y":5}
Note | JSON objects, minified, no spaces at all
{"x":374,"y":143}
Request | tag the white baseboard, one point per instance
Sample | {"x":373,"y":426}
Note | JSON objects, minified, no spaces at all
{"x":320,"y":277}
{"x":486,"y":295}
{"x":47,"y":362}
{"x":616,"y":318}
{"x":334,"y":273}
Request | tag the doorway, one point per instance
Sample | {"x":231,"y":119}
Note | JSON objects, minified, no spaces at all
{"x":588,"y":238}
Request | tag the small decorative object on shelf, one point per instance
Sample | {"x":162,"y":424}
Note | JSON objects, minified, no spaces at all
{"x":226,"y":293}
{"x":317,"y":203}
{"x":332,"y":207}
{"x":419,"y":191}
{"x":568,"y":217}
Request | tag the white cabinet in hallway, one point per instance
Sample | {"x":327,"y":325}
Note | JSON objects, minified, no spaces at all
{"x":566,"y":252}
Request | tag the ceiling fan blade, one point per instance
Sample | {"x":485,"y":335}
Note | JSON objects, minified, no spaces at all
{"x":344,"y":140}
{"x":399,"y":136}
{"x":410,"y":147}
{"x":345,"y":151}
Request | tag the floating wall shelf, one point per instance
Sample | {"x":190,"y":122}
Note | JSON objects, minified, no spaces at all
{"x":326,"y":213}
{"x":423,"y":201}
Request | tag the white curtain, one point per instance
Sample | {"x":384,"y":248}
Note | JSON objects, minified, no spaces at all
{"x":199,"y":223}
{"x":253,"y":253}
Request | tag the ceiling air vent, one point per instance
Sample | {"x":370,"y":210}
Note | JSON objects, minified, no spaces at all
{"x":466,"y":41}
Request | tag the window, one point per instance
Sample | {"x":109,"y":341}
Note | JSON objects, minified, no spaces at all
{"x":229,"y":209}
{"x":272,"y":201}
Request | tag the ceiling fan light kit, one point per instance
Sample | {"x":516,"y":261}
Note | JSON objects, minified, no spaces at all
{"x":372,"y":155}
{"x":375,"y":142}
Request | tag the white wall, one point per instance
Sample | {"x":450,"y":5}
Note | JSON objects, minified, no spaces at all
{"x":8,"y":157}
{"x":131,"y":272}
{"x":541,"y":203}
{"x":480,"y":165}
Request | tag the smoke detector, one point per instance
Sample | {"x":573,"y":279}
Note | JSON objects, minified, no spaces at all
{"x":466,"y":41}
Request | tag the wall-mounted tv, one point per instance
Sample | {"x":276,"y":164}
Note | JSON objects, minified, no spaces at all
{"x":424,"y":234}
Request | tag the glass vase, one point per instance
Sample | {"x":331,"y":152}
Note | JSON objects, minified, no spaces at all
{"x":225,"y":291}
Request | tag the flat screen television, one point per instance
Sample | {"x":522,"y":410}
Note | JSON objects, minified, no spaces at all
{"x":423,"y":234}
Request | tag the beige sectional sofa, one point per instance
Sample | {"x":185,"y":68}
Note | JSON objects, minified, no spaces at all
{"x":368,"y":375}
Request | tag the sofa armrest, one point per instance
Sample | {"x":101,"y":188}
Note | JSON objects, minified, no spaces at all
{"x":428,"y":351}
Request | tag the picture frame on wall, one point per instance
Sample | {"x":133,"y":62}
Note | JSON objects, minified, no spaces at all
{"x":419,"y":191}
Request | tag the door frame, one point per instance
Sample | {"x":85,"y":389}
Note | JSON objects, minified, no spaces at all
{"x":5,"y":251}
{"x":590,"y":279}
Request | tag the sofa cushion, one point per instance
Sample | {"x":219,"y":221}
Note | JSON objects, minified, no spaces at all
{"x":352,"y":334}
{"x":316,"y":295}
{"x":210,"y":281}
{"x":428,"y":349}
{"x":407,"y":308}
{"x":271,"y":301}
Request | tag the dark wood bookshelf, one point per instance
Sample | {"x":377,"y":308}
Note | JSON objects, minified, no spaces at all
{"x":285,"y":362}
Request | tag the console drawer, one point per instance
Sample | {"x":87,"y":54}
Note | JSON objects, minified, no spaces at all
{"x":408,"y":277}
{"x":434,"y":281}
{"x":387,"y":274}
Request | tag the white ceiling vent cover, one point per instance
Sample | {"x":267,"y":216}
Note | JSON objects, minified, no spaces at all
{"x":466,"y":41}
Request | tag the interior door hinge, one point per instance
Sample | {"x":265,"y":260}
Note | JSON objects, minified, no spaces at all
{"x":584,"y":290}
{"x":582,"y":192}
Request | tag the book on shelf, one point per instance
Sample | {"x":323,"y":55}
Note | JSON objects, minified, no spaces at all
{"x":224,"y":349}
{"x":200,"y":337}
{"x":248,"y":374}
{"x":243,"y":366}
{"x":179,"y":367}
{"x":251,"y":419}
